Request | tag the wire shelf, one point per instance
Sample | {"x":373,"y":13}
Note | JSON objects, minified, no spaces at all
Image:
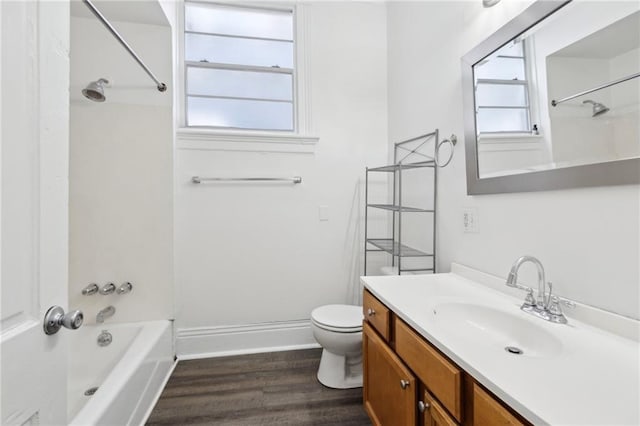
{"x":395,"y":249}
{"x":399,"y":208}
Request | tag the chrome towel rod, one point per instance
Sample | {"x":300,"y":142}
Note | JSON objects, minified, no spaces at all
{"x":161,"y":86}
{"x":198,"y":179}
{"x":604,"y":86}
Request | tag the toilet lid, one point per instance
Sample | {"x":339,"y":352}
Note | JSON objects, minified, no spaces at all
{"x":338,"y":316}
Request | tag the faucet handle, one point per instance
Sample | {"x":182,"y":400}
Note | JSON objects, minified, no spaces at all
{"x":90,"y":289}
{"x":125,"y":288}
{"x":108,"y":289}
{"x":529,"y":299}
{"x":554,"y":306}
{"x":555,"y":311}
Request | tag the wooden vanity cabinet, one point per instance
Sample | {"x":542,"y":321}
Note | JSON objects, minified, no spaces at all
{"x":407,"y":381}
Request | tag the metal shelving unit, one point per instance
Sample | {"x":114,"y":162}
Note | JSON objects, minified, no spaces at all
{"x":394,"y":246}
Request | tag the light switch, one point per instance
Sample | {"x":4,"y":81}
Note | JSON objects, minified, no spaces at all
{"x":323,"y":213}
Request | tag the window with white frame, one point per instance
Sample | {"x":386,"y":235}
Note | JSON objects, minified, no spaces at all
{"x":239,"y":64}
{"x":503,"y":100}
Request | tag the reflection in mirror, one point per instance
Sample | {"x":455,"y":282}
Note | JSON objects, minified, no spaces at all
{"x":530,"y":110}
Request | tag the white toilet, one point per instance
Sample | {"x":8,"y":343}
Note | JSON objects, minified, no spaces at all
{"x":338,"y":329}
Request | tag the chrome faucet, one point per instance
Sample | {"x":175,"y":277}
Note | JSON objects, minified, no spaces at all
{"x":105,"y":313}
{"x":545,"y":306}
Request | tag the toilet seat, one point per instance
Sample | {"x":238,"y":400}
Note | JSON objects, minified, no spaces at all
{"x":338,"y":318}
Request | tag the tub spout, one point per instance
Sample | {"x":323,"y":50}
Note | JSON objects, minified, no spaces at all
{"x":105,"y":313}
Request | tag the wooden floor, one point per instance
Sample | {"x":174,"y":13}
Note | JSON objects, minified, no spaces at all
{"x":277,"y":388}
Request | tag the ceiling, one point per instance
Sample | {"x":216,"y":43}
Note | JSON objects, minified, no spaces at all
{"x":609,"y":42}
{"x":138,"y":11}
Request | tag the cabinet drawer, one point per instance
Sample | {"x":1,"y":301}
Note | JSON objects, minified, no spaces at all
{"x":489,"y":412}
{"x":439,"y":375}
{"x":376,"y":314}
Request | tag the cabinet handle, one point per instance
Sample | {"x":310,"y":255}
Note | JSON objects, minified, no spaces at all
{"x":371,"y":312}
{"x":422,"y":406}
{"x":404,"y":384}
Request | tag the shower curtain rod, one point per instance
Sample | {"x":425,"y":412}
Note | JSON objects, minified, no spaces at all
{"x":604,"y":86}
{"x":161,"y":86}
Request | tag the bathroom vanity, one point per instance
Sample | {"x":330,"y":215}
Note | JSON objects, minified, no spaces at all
{"x":444,"y":349}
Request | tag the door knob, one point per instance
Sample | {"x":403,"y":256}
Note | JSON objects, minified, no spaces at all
{"x":422,"y":406}
{"x":404,"y":384}
{"x":55,"y":318}
{"x":371,"y":312}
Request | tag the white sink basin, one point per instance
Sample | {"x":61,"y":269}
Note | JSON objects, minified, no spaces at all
{"x":501,"y":329}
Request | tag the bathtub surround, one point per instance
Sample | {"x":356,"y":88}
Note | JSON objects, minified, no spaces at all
{"x":588,"y":239}
{"x":253,"y":260}
{"x":121,"y":221}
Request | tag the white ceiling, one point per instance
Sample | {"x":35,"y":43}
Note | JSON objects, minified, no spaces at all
{"x":609,"y":42}
{"x":138,"y":11}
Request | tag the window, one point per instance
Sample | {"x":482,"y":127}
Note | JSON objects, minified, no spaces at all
{"x":502,"y":92}
{"x":239,"y":67}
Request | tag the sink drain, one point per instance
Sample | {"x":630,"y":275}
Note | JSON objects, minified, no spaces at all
{"x":90,"y":391}
{"x":513,"y":350}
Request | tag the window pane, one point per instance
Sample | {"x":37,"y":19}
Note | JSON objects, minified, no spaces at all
{"x":239,"y":21}
{"x":240,"y":114}
{"x":239,"y":84}
{"x":511,"y":49}
{"x":502,"y":120}
{"x":229,"y":50}
{"x":501,"y":95}
{"x":501,"y":69}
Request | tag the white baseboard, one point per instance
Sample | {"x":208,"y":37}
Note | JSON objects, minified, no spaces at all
{"x":209,"y":342}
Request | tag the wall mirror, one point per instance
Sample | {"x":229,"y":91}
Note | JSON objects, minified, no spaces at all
{"x":552,"y":99}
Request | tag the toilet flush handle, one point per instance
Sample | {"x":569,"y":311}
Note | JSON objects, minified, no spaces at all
{"x":371,"y":312}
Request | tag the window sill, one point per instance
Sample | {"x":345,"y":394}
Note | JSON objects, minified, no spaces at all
{"x":509,"y":138}
{"x":216,"y":140}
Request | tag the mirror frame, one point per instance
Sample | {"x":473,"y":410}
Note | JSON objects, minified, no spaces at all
{"x":617,"y":172}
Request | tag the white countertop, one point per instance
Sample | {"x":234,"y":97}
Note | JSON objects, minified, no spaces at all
{"x":590,"y":377}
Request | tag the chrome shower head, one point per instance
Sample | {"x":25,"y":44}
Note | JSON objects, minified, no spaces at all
{"x":598,"y":108}
{"x":95,"y":90}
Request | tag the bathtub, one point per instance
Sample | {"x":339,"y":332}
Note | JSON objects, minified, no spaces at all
{"x":129,"y":373}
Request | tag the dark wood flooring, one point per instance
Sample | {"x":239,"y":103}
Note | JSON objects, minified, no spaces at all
{"x":278,"y":388}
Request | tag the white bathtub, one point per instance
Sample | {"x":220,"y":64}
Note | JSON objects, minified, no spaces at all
{"x":130,"y":372}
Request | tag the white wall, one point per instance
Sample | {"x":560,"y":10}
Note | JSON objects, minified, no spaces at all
{"x":588,"y":239}
{"x":121,"y":168}
{"x":258,"y":253}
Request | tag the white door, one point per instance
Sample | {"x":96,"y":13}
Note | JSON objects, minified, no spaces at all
{"x":34,"y":117}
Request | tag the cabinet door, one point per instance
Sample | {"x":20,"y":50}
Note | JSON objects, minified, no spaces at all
{"x":489,"y":412}
{"x":389,"y":390}
{"x":434,"y":414}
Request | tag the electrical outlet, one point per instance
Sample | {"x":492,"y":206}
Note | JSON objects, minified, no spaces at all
{"x":470,"y":220}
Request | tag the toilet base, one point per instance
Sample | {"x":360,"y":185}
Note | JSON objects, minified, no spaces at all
{"x":340,"y":371}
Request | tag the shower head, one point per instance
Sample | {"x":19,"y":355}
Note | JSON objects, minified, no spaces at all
{"x":598,"y":108}
{"x":95,"y":90}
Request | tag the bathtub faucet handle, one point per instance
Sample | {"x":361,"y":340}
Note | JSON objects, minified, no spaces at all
{"x":90,"y":289}
{"x":125,"y":288}
{"x":108,"y":288}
